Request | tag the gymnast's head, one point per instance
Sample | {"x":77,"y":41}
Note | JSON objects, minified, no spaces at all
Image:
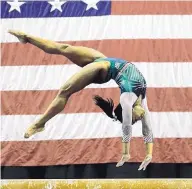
{"x":107,"y":106}
{"x":138,"y":111}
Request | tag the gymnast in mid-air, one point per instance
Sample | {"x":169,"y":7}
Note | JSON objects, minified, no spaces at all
{"x":99,"y":69}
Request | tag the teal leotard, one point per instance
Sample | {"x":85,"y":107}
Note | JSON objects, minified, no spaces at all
{"x":126,"y":75}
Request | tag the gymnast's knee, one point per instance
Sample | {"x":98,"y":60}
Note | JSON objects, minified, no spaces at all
{"x":64,"y":48}
{"x":65,"y":91}
{"x":57,"y":48}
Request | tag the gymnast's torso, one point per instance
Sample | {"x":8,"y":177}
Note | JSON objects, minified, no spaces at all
{"x":126,"y":75}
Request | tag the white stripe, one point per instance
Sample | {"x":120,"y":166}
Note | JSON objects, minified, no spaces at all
{"x":53,"y":77}
{"x":101,"y":27}
{"x":94,"y":125}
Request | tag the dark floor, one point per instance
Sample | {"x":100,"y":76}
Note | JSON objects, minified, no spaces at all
{"x":129,"y":170}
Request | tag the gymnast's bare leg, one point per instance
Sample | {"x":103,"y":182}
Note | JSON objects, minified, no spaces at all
{"x":79,"y":55}
{"x":92,"y":73}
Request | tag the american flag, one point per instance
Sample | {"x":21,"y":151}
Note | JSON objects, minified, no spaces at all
{"x":155,"y":35}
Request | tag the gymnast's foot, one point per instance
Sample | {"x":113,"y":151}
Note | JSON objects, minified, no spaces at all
{"x":33,"y":129}
{"x":20,"y":35}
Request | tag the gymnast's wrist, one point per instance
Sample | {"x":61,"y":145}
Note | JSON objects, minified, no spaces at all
{"x":125,"y":148}
{"x":149,"y":148}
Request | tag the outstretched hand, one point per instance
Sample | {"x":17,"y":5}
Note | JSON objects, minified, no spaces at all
{"x":145,"y":163}
{"x":124,"y":158}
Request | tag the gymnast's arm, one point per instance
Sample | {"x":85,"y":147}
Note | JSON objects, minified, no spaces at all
{"x":147,"y":130}
{"x":126,"y":128}
{"x":127,"y":100}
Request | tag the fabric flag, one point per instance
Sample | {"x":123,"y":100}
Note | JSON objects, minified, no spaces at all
{"x":155,"y":35}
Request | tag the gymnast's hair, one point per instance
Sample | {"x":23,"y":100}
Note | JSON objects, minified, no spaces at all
{"x":108,"y":105}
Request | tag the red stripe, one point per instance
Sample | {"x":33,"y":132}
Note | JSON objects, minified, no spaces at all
{"x":88,"y":151}
{"x":36,"y":102}
{"x":135,"y":50}
{"x":151,"y":7}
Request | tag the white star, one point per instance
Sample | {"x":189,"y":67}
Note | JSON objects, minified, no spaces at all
{"x":91,"y":4}
{"x":15,"y":5}
{"x":56,"y":4}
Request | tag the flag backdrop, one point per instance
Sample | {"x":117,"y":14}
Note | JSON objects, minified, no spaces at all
{"x":156,"y":36}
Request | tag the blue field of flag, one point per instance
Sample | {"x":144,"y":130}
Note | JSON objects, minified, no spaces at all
{"x":38,"y":9}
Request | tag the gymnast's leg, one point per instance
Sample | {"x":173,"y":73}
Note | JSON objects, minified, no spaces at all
{"x":77,"y":54}
{"x":92,"y":73}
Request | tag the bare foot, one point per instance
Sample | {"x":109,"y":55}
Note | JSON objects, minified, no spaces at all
{"x":20,"y":35}
{"x":33,"y":129}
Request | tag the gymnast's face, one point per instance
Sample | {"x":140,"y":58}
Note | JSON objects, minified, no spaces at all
{"x":137,"y":114}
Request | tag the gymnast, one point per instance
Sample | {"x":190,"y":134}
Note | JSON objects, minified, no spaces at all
{"x":99,"y":69}
{"x":108,"y":105}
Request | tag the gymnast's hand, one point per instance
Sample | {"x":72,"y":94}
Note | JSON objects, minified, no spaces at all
{"x":124,"y":158}
{"x":146,"y":162}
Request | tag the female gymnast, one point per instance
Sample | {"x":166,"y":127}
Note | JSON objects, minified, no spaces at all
{"x":108,"y":105}
{"x":96,"y":68}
